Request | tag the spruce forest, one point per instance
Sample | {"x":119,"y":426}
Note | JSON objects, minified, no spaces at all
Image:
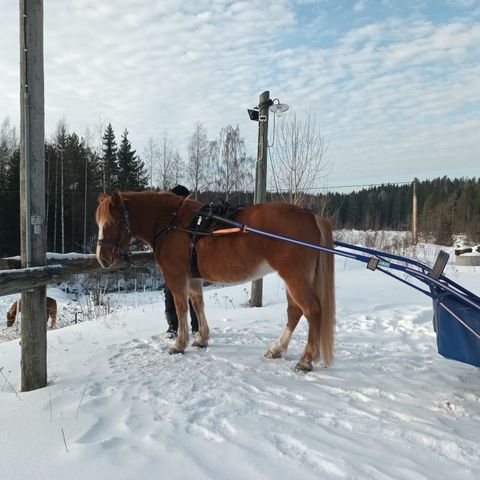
{"x":77,"y":172}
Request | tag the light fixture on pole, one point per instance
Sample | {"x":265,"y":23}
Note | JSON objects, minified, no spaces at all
{"x":253,"y":113}
{"x":273,"y":105}
{"x":278,"y":108}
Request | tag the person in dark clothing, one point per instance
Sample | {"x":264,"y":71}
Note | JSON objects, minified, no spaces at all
{"x":181,"y":191}
{"x":171,"y":314}
{"x":170,"y":311}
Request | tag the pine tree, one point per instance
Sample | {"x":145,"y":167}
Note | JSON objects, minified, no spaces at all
{"x":60,"y":147}
{"x":10,"y":208}
{"x":131,"y":174}
{"x":9,"y":190}
{"x":76,"y":156}
{"x":8,"y":144}
{"x":92,"y":178}
{"x":110,"y":162}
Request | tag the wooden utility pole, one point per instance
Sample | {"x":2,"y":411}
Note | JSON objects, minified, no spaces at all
{"x":32,"y":192}
{"x":261,"y":178}
{"x":414,"y":214}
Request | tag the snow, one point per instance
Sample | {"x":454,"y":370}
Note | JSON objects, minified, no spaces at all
{"x":118,"y":406}
{"x":59,"y":256}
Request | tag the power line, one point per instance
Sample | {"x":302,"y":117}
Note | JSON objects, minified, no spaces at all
{"x":352,"y":186}
{"x":360,"y":185}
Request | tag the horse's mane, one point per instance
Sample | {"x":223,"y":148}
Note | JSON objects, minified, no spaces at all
{"x":104,"y":210}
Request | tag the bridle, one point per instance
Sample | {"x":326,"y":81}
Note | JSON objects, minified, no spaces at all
{"x":126,"y":255}
{"x":114,"y":245}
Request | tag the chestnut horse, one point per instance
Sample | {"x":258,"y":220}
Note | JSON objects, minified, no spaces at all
{"x":17,"y":307}
{"x":159,"y":219}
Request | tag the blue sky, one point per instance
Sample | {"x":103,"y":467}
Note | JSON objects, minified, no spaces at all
{"x":394,"y":85}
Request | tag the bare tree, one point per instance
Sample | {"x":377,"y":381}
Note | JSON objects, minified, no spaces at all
{"x":234,"y":167}
{"x":151,"y":158}
{"x":178,"y":168}
{"x":167,"y":158}
{"x":213,"y":154}
{"x":298,"y":158}
{"x":198,"y":159}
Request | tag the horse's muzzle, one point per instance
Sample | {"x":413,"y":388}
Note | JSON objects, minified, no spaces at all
{"x":104,"y":262}
{"x":106,"y":253}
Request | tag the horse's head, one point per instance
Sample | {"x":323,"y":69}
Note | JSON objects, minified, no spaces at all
{"x":114,"y":232}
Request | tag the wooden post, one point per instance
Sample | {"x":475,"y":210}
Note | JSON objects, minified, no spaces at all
{"x":32,"y":192}
{"x":414,"y":214}
{"x":261,"y":178}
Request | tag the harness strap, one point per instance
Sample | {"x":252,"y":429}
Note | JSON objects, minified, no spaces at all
{"x":194,"y":263}
{"x":226,"y":231}
{"x":125,"y":216}
{"x":170,"y":226}
{"x":194,"y":232}
{"x":195,"y":271}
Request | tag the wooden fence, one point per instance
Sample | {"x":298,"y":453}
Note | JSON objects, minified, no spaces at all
{"x":59,"y":268}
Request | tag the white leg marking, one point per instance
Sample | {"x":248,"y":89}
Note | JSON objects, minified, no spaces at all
{"x":280,"y":345}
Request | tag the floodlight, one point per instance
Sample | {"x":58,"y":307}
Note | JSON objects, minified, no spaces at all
{"x":278,"y":108}
{"x":253,"y":114}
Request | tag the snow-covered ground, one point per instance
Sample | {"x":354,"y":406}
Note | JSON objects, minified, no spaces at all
{"x":118,"y":406}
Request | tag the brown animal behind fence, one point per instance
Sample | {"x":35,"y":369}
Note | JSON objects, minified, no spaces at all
{"x":16,"y":307}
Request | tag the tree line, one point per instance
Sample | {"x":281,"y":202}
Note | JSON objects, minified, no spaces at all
{"x":444,"y":207}
{"x":78,"y":168}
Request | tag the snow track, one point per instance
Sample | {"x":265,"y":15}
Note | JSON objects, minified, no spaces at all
{"x":390,"y":407}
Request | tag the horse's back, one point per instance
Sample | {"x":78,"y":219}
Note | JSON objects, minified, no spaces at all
{"x":284,"y":219}
{"x":243,"y":256}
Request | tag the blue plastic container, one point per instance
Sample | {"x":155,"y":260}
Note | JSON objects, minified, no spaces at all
{"x":455,"y":340}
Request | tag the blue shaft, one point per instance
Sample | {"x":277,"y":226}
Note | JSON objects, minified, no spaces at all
{"x":444,"y":284}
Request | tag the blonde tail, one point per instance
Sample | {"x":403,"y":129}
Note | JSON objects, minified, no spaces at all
{"x":325,"y":279}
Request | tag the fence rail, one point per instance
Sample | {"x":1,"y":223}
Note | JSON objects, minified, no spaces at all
{"x":59,"y":268}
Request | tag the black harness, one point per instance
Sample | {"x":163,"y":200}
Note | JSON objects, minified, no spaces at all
{"x":204,"y":221}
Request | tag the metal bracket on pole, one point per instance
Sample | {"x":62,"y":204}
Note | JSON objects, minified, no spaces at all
{"x":37,"y":223}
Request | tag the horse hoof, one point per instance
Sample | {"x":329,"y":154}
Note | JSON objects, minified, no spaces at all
{"x":272,"y":355}
{"x":174,"y":351}
{"x":199,"y":343}
{"x":304,"y":367}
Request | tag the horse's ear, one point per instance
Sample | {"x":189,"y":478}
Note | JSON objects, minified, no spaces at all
{"x":116,"y":199}
{"x":102,"y":197}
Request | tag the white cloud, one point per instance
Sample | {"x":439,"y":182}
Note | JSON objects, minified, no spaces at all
{"x":385,"y":92}
{"x":462,"y":3}
{"x":359,"y":6}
